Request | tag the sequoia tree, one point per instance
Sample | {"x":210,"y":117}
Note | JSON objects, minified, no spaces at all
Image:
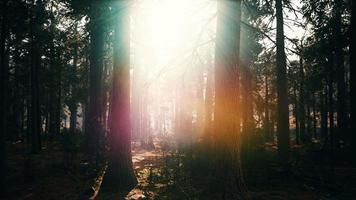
{"x":227,"y":115}
{"x":120,"y":170}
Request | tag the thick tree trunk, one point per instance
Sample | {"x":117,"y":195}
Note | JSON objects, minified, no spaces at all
{"x":120,"y":170}
{"x":227,"y":99}
{"x":282,"y":95}
{"x":93,"y":126}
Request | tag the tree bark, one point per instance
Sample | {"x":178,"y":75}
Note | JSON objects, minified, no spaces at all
{"x":120,"y":170}
{"x":227,"y":117}
{"x":93,"y":126}
{"x":282,"y":95}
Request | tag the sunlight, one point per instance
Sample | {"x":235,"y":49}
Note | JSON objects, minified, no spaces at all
{"x":171,"y":27}
{"x":169,"y":38}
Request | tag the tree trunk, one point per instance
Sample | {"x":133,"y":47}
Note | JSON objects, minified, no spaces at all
{"x":247,"y":104}
{"x":120,"y":170}
{"x":282,"y":95}
{"x":93,"y":127}
{"x":227,"y":99}
{"x":314,"y":117}
{"x":302,"y":100}
{"x":3,"y":100}
{"x":296,"y":115}
{"x":340,"y":74}
{"x":267,"y":123}
{"x":331,"y":114}
{"x":324,"y":115}
{"x":73,"y":103}
{"x":353,"y":80}
{"x":35,"y":113}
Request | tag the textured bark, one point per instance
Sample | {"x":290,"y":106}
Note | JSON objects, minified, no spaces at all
{"x":93,"y":127}
{"x":120,"y":170}
{"x":282,"y":95}
{"x":227,"y":115}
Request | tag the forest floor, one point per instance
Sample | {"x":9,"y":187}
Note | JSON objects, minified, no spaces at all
{"x":165,"y":174}
{"x":41,"y":176}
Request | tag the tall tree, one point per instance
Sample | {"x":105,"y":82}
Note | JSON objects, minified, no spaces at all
{"x":3,"y":77}
{"x":301,"y":111}
{"x":227,"y":98}
{"x":282,"y":95}
{"x":353,"y":79}
{"x":120,"y":170}
{"x":340,"y":72}
{"x":96,"y":30}
{"x":35,"y":65}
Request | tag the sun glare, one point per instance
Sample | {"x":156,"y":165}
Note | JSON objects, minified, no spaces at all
{"x":169,"y":38}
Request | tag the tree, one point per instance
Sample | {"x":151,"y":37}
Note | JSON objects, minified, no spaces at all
{"x":353,"y":79}
{"x":301,"y":111}
{"x":3,"y":77}
{"x":282,"y":95}
{"x":227,"y":96}
{"x":93,"y":124}
{"x":340,"y":69}
{"x":35,"y":65}
{"x":120,"y":170}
